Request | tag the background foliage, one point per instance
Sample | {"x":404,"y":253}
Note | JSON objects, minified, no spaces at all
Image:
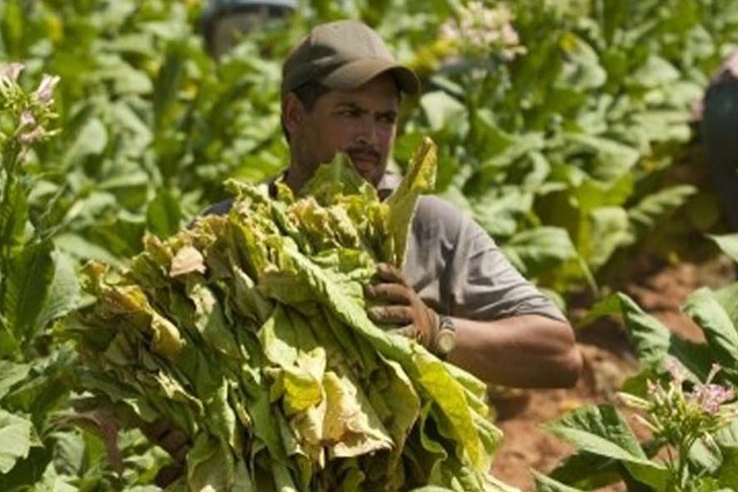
{"x":560,"y":125}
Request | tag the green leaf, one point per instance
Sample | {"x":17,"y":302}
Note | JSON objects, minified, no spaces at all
{"x":334,"y":178}
{"x":583,"y":71}
{"x":13,"y":215}
{"x":608,"y":230}
{"x":587,"y":470}
{"x":697,"y":357}
{"x":16,"y":434}
{"x":656,"y":71}
{"x":490,"y":141}
{"x":727,"y":474}
{"x":64,"y":291}
{"x":90,"y":141}
{"x":10,"y":374}
{"x":30,"y":472}
{"x":12,"y":24}
{"x":548,"y":484}
{"x":612,"y":159}
{"x":601,"y":430}
{"x":164,"y":214}
{"x":167,"y":82}
{"x":208,"y":467}
{"x":431,"y":488}
{"x":442,"y":110}
{"x":537,"y":250}
{"x":31,"y":273}
{"x":420,"y":178}
{"x":499,"y":209}
{"x":649,"y":336}
{"x":728,"y":299}
{"x":656,"y":207}
{"x":720,"y":332}
{"x":728,"y":243}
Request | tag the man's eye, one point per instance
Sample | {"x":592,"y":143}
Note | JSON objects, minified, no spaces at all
{"x":388,"y":118}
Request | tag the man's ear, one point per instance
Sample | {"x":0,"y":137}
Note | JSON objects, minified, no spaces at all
{"x":293,"y":112}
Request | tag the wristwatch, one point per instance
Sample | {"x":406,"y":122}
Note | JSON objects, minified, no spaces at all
{"x":446,"y":336}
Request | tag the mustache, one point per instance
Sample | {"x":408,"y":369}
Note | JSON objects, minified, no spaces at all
{"x":363,"y":152}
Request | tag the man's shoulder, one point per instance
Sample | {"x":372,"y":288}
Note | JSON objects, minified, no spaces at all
{"x":436,"y":208}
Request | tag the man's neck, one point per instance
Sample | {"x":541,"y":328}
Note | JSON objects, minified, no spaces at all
{"x":293,"y":179}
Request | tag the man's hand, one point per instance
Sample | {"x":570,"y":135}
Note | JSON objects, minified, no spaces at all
{"x":402,"y":306}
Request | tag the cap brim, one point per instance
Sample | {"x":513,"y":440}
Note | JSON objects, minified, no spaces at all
{"x":358,"y":72}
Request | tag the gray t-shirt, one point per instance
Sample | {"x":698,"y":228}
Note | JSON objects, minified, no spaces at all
{"x":458,"y":270}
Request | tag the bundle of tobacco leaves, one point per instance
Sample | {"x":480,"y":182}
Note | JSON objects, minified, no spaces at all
{"x":248,"y":331}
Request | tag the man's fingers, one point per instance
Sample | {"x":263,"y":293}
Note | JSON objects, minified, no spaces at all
{"x":390,"y":274}
{"x":413,"y":333}
{"x":393,"y":315}
{"x":408,"y":331}
{"x":390,"y":293}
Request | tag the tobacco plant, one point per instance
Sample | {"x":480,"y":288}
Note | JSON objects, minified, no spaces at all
{"x":684,"y":396}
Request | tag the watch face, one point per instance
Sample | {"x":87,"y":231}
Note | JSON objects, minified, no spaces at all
{"x":446,"y":341}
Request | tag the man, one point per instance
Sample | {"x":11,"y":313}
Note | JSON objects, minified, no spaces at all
{"x":341,"y":91}
{"x":224,"y":22}
{"x":717,"y":130}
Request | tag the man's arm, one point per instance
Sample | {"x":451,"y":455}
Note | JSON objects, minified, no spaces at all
{"x":522,"y":351}
{"x":526,"y":351}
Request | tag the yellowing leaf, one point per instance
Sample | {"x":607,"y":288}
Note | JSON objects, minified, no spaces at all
{"x":351,"y":426}
{"x":166,"y":340}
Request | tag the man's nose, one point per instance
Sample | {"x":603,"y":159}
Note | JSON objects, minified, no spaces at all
{"x":367,"y":133}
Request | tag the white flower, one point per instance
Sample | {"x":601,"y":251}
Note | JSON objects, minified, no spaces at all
{"x":12,"y":71}
{"x":45,"y":90}
{"x":482,"y":28}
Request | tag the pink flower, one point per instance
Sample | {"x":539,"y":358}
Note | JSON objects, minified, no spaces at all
{"x":710,"y":396}
{"x":27,"y":119}
{"x":45,"y":90}
{"x":35,"y":135}
{"x":12,"y":71}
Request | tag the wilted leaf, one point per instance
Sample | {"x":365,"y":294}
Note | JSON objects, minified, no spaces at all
{"x":187,"y":260}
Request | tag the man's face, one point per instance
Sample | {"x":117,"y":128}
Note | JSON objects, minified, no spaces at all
{"x":360,"y":122}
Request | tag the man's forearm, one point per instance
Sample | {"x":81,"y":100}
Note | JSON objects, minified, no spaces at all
{"x":526,"y":351}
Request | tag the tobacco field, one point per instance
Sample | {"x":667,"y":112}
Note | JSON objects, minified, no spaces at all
{"x":569,"y":129}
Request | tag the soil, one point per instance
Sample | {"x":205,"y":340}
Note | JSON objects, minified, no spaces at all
{"x":659,"y":289}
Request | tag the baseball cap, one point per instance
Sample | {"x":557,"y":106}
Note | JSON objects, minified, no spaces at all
{"x":343,"y":55}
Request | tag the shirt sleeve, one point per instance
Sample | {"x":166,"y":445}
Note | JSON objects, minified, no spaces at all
{"x":459,"y":269}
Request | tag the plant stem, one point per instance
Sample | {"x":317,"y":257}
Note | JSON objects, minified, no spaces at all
{"x":10,"y":155}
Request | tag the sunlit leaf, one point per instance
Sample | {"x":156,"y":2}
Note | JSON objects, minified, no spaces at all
{"x":16,"y":436}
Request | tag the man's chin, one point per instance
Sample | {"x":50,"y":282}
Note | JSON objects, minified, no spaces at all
{"x":369,"y":171}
